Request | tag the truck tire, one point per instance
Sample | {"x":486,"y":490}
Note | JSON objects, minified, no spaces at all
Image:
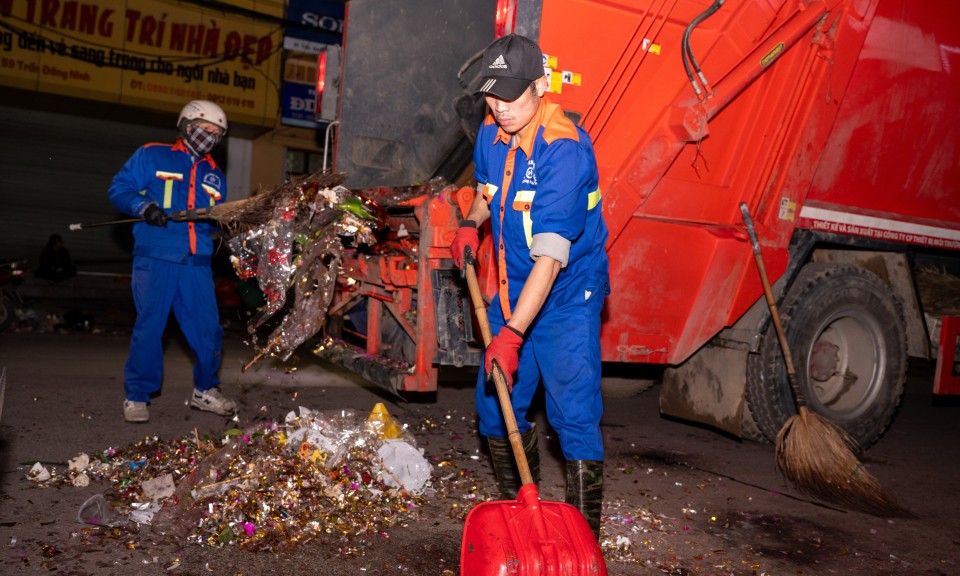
{"x":749,"y":429}
{"x":847,"y":336}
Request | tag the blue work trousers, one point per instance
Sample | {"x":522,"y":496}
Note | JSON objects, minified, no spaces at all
{"x":561,"y":349}
{"x":187,"y":289}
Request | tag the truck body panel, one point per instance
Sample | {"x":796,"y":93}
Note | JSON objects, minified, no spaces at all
{"x":902,"y":171}
{"x":397,"y":122}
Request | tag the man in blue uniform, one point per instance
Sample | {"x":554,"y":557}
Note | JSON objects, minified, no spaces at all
{"x":538,"y":183}
{"x":171,"y":260}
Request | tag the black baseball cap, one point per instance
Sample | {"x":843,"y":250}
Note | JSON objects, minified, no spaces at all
{"x":509,"y":64}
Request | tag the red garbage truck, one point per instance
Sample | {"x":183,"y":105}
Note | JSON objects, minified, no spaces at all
{"x":833,"y":120}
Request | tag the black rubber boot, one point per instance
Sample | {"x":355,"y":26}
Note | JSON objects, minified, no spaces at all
{"x":505,"y":465}
{"x":585,"y":490}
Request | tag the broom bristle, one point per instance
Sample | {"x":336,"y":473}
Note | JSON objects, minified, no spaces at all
{"x":819,"y":459}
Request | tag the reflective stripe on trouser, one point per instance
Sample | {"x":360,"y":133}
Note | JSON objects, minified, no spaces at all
{"x":158,"y":287}
{"x":563,"y":348}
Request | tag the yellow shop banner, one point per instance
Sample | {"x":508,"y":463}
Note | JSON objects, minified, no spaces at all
{"x":147,"y":53}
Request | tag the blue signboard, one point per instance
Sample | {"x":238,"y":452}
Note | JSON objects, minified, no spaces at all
{"x":298,"y":105}
{"x":313,"y":25}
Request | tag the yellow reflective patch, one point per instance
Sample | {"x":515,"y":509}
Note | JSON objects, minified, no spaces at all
{"x":528,"y":228}
{"x":211,"y":191}
{"x":169,"y":175}
{"x":168,"y":193}
{"x":593,"y":199}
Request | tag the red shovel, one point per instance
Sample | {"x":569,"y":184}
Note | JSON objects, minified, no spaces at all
{"x":525,"y":536}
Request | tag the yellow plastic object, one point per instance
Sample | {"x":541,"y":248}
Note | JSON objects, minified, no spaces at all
{"x":381,"y":422}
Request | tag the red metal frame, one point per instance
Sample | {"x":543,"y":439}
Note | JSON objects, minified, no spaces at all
{"x":945,"y":381}
{"x":403,"y":284}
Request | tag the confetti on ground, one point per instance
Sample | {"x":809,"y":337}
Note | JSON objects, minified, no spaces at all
{"x":269,"y":487}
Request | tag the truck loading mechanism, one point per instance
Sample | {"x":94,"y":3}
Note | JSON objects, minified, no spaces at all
{"x":831,"y":119}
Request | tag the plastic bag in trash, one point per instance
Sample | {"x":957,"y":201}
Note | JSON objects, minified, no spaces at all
{"x":143,"y":512}
{"x":404,"y":465}
{"x":97,"y":511}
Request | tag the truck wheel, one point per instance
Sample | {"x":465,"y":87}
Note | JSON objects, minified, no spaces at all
{"x":749,"y":429}
{"x":847,"y":337}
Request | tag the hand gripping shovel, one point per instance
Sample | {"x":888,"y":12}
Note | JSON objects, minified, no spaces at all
{"x":525,"y":536}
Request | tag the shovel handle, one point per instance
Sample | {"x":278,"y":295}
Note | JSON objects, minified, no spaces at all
{"x":506,"y":406}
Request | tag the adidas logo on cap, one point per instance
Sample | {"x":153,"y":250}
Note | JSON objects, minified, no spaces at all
{"x":498,"y":63}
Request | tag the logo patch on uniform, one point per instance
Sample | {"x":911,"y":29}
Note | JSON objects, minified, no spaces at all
{"x":530,"y":176}
{"x":212,"y":184}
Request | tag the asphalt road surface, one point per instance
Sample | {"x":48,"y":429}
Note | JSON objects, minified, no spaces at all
{"x":679,"y":499}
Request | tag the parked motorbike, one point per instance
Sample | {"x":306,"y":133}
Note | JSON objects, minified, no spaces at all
{"x":11,"y":276}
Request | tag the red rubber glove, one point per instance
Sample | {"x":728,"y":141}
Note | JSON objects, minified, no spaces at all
{"x":503,"y":348}
{"x":467,"y":237}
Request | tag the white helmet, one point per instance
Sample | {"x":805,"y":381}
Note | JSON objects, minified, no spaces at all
{"x":203,"y":110}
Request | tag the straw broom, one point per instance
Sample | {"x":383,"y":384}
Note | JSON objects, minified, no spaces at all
{"x":259,"y":209}
{"x":815,"y":455}
{"x":249,"y":212}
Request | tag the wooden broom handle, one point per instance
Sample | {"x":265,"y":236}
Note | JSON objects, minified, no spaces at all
{"x":772,"y":304}
{"x":513,"y":433}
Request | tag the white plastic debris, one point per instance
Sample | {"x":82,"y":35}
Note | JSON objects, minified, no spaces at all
{"x":143,"y":512}
{"x":404,"y":464}
{"x":38,"y":473}
{"x":81,"y":480}
{"x":159,"y":488}
{"x":78,"y":463}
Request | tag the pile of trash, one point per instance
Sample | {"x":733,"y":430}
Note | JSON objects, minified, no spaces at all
{"x":331,"y":474}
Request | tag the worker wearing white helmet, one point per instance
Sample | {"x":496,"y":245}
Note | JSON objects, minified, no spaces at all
{"x":199,"y":123}
{"x":171,"y":260}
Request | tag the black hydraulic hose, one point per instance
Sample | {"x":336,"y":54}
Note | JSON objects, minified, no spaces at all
{"x":465,"y":66}
{"x":690,"y":63}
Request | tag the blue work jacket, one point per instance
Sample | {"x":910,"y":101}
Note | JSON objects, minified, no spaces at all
{"x":170,"y":176}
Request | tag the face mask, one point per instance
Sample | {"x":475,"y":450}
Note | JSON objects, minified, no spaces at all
{"x":200,"y":141}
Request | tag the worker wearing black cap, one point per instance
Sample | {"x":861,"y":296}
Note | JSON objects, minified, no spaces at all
{"x":538,"y":183}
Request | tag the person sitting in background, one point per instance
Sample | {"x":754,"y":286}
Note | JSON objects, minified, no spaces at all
{"x":55,"y":263}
